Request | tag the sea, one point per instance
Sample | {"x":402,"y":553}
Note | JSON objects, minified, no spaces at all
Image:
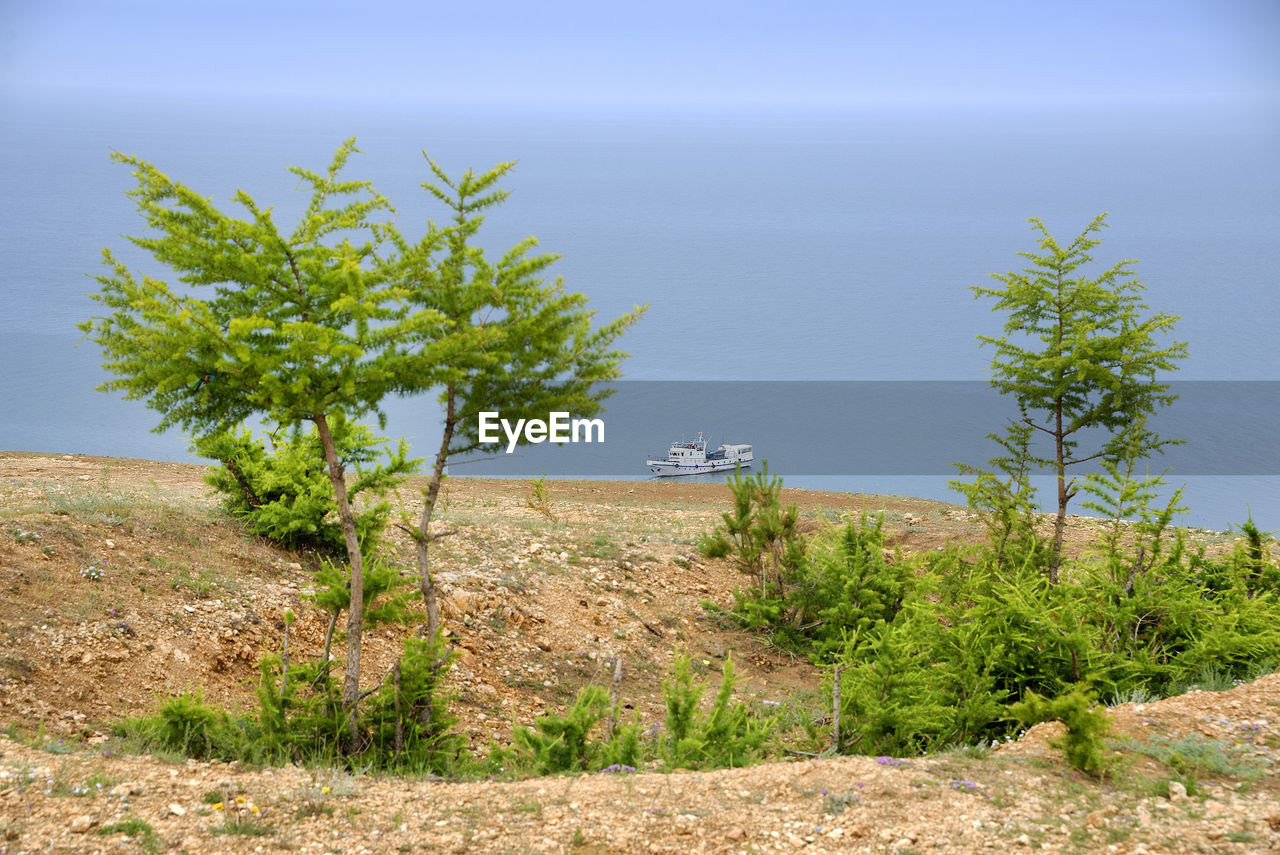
{"x":808,"y":274}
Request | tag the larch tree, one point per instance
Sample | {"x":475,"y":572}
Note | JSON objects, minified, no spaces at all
{"x":500,"y":337}
{"x":1082,"y":357}
{"x":322,"y":324}
{"x":289,"y":328}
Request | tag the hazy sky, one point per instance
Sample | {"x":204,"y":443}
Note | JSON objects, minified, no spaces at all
{"x":684,"y":54}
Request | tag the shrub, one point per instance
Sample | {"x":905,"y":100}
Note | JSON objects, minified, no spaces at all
{"x":759,"y":536}
{"x":564,"y":743}
{"x":935,"y":651}
{"x":1087,"y":726}
{"x":285,"y":494}
{"x":848,"y":588}
{"x":728,"y":734}
{"x":410,"y":721}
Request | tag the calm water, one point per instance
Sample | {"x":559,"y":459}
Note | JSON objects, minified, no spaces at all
{"x":780,"y":248}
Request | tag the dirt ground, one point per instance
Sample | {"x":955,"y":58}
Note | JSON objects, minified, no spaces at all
{"x":124,"y":585}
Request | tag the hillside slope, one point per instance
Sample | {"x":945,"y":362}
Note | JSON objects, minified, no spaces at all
{"x":123,"y":584}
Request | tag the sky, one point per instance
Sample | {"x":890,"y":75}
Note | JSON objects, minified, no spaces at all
{"x":677,"y":55}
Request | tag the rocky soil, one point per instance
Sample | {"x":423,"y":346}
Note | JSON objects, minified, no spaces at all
{"x":123,"y":584}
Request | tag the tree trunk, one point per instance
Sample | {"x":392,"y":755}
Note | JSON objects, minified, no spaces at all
{"x":355,"y":611}
{"x":1060,"y":523}
{"x":835,"y":710}
{"x":399,"y":737}
{"x":1059,"y":526}
{"x":423,"y":540}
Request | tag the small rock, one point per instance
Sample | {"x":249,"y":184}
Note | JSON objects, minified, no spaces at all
{"x":1177,"y":791}
{"x":736,"y":834}
{"x":177,"y":810}
{"x":111,"y":544}
{"x":82,"y":823}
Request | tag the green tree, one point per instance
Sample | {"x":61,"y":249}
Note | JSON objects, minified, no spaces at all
{"x":299,"y":327}
{"x":495,"y":337}
{"x":322,"y":324}
{"x":1004,"y":498}
{"x":1080,"y":356}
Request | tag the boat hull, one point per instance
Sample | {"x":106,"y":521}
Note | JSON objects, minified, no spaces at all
{"x":663,"y":469}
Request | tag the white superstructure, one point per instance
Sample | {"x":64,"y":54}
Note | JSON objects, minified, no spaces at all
{"x":691,"y":458}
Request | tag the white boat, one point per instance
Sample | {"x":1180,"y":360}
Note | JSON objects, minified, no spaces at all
{"x":692,"y":458}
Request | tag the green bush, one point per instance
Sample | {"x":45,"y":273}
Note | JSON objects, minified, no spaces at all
{"x":759,"y":536}
{"x":1087,"y":726}
{"x":729,"y":734}
{"x":565,"y":743}
{"x":831,"y":587}
{"x":409,"y":718}
{"x":937,"y":650}
{"x":285,"y":494}
{"x":848,"y":587}
{"x":187,"y":726}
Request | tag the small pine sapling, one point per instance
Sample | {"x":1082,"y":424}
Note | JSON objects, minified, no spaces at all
{"x":729,"y":734}
{"x":538,"y":498}
{"x":1087,"y":726}
{"x":760,"y":535}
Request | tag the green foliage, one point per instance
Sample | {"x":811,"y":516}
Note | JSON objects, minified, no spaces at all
{"x":728,"y":734}
{"x":591,"y":737}
{"x":759,"y":536}
{"x":386,"y":592}
{"x":839,"y":585}
{"x":1194,"y":754}
{"x":139,"y":829}
{"x":1132,"y":549}
{"x":1080,"y":357}
{"x":501,"y":336}
{"x":564,"y":743}
{"x":320,"y":325}
{"x":1087,"y":726}
{"x":313,"y":326}
{"x":186,"y":725}
{"x":297,"y":325}
{"x":893,"y":701}
{"x":849,"y":588}
{"x":538,"y":497}
{"x":1252,"y":560}
{"x":412,"y":726}
{"x":407,"y":726}
{"x":285,"y":494}
{"x":933,"y":652}
{"x":492,"y":336}
{"x":1005,"y":500}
